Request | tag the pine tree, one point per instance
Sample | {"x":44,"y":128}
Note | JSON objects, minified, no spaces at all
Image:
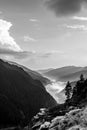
{"x":68,"y":91}
{"x":79,"y":90}
{"x":82,"y":77}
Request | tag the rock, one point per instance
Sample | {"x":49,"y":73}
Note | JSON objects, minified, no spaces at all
{"x":45,"y":125}
{"x":55,"y":121}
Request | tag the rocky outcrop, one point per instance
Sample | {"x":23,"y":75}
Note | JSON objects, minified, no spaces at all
{"x":75,"y":119}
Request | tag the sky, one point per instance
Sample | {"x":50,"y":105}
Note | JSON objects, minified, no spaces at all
{"x":44,"y":34}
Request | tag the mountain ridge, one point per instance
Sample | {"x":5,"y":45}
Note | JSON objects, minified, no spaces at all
{"x":66,"y":73}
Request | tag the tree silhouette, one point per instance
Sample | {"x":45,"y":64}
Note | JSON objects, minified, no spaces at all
{"x":68,"y":91}
{"x":82,"y":77}
{"x":79,"y":90}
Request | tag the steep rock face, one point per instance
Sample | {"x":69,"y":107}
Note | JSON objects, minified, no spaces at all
{"x":21,"y":96}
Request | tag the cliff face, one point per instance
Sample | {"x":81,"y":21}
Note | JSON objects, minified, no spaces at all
{"x":21,"y":96}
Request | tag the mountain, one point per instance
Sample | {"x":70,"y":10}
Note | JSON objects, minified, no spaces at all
{"x":45,"y":70}
{"x":21,"y":95}
{"x":64,"y":74}
{"x":75,"y":76}
{"x":32,"y":73}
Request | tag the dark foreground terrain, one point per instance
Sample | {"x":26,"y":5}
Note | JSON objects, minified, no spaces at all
{"x":21,"y":95}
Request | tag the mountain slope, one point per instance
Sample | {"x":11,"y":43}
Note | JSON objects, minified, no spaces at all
{"x":45,"y":70}
{"x":66,"y":73}
{"x":21,"y":96}
{"x":32,"y":73}
{"x":74,"y":76}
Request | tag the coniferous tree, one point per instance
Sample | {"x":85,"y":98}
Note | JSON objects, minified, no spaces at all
{"x":79,"y":89}
{"x":79,"y":85}
{"x":82,"y":77}
{"x":68,"y":91}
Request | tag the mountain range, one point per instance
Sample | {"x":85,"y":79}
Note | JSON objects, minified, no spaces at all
{"x":67,"y":73}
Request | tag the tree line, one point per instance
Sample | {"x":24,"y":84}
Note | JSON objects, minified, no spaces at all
{"x":76,"y":90}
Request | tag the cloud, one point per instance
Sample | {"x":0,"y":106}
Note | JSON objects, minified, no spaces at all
{"x":34,"y":20}
{"x":29,"y":39}
{"x":80,"y":18}
{"x":57,"y":52}
{"x":51,"y":53}
{"x":6,"y":39}
{"x":66,"y":7}
{"x":45,"y":55}
{"x":27,"y":54}
{"x":16,"y":54}
{"x":77,"y":27}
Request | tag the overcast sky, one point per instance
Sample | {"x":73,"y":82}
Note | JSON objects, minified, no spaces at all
{"x":44,"y":33}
